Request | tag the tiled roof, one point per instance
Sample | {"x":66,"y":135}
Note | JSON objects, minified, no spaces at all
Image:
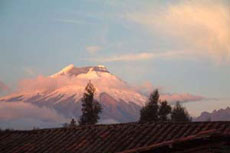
{"x":106,"y":138}
{"x":201,"y":137}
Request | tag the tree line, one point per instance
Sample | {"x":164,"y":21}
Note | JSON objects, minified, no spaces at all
{"x":155,"y":110}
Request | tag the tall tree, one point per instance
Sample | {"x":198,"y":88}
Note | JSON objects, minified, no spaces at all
{"x":90,"y":107}
{"x":150,"y":111}
{"x":72,"y":124}
{"x":180,"y":114}
{"x":164,"y":111}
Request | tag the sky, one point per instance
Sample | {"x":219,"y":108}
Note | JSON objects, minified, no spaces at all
{"x":181,"y":46}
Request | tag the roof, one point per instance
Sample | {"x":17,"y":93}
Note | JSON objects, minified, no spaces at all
{"x":124,"y":138}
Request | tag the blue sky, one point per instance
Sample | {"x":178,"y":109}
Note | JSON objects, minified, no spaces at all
{"x":181,"y":46}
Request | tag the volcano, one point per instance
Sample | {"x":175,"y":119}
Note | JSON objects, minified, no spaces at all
{"x":63,"y":91}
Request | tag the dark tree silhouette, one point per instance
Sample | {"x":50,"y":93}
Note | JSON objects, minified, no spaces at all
{"x":90,"y":107}
{"x":72,"y":123}
{"x":164,"y":111}
{"x":180,"y":114}
{"x":150,"y":111}
{"x":155,"y":111}
{"x":65,"y":125}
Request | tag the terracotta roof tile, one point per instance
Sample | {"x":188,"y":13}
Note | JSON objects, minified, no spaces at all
{"x":106,"y":138}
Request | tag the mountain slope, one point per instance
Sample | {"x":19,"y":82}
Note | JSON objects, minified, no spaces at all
{"x":216,"y":115}
{"x":63,"y":91}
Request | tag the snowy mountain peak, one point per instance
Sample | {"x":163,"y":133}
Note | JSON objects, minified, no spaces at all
{"x":63,"y":92}
{"x":67,"y":69}
{"x":71,"y":70}
{"x":102,"y":67}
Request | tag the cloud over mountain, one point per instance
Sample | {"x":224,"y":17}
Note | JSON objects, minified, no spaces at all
{"x":103,"y":82}
{"x":139,"y":56}
{"x":22,"y":115}
{"x":201,"y":26}
{"x":182,"y":97}
{"x":49,"y":98}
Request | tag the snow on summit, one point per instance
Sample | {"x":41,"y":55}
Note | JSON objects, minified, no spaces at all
{"x":71,"y":70}
{"x":103,"y":80}
{"x":63,"y":91}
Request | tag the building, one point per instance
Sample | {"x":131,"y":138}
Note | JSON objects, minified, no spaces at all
{"x":194,"y":137}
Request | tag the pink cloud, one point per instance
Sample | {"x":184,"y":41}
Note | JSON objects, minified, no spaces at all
{"x":184,"y":97}
{"x":40,"y":83}
{"x":147,"y":87}
{"x":202,"y":25}
{"x":49,"y":84}
{"x":22,"y":115}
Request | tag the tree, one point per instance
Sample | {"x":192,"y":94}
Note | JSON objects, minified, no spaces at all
{"x":72,"y":123}
{"x":65,"y":125}
{"x":164,"y":111}
{"x":179,"y":114}
{"x":150,"y":111}
{"x":90,"y":107}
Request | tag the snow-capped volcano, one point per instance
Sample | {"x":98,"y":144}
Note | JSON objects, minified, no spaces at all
{"x":71,"y":70}
{"x":63,"y":92}
{"x":103,"y":80}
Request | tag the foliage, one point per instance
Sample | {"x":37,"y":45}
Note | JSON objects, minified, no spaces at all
{"x":164,"y":111}
{"x":65,"y":125}
{"x":155,"y":111}
{"x":90,"y":107}
{"x":180,"y":114}
{"x":150,"y":111}
{"x":72,"y":123}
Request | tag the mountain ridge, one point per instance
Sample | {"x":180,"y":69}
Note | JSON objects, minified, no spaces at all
{"x":215,"y":115}
{"x":63,"y":91}
{"x":71,"y":70}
